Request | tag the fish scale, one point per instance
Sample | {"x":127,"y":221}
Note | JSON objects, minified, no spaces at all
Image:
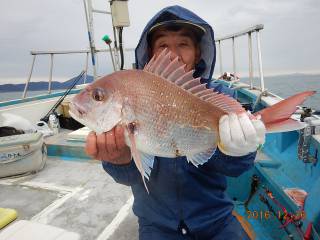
{"x":156,"y":118}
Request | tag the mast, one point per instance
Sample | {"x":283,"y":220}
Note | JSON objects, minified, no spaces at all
{"x":120,"y":19}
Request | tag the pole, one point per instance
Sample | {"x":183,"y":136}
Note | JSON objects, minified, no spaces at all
{"x":86,"y":69}
{"x":220,"y":59}
{"x":50,"y":74}
{"x":113,"y":64}
{"x":29,"y":77}
{"x":89,"y":20}
{"x":234,"y":58}
{"x":260,"y":63}
{"x":250,"y":60}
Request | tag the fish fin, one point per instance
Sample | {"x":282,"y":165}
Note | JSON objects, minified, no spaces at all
{"x":285,"y":126}
{"x":197,"y":89}
{"x":280,"y":113}
{"x":201,"y":158}
{"x":162,"y":64}
{"x":147,"y":161}
{"x":150,"y":63}
{"x":171,"y":67}
{"x":136,"y":158}
{"x":204,"y":92}
{"x":173,"y":76}
{"x":225,"y":102}
{"x":157,"y":61}
{"x":191,"y":84}
{"x":173,"y":71}
{"x":187,"y":76}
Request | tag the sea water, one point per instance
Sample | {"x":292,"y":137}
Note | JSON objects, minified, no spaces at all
{"x":5,"y":96}
{"x":288,"y":85}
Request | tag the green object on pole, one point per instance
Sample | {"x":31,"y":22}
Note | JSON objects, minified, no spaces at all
{"x":106,"y":39}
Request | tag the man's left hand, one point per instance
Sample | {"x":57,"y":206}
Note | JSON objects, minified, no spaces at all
{"x":239,"y":135}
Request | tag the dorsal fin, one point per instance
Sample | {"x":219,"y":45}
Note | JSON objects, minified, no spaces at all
{"x":190,"y":84}
{"x":198,"y":88}
{"x":174,"y":72}
{"x":157,"y":63}
{"x":163,"y":64}
{"x":147,"y":66}
{"x":184,"y":78}
{"x":204,"y":92}
{"x":173,"y":76}
{"x":173,"y":65}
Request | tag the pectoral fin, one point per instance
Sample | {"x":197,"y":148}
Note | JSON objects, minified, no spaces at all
{"x":147,"y":163}
{"x":201,"y":158}
{"x":143,"y":161}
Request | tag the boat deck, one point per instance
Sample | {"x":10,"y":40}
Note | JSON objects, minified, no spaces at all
{"x":74,"y":194}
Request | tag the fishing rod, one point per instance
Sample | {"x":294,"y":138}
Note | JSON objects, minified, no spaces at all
{"x":55,"y":106}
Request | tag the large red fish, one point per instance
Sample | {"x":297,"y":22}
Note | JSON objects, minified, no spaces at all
{"x":167,"y":112}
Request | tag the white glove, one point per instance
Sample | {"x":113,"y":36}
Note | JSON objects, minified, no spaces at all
{"x":239,"y":135}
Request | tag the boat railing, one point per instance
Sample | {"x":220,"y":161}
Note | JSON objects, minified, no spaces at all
{"x":52,"y":54}
{"x":89,"y":11}
{"x":249,"y":32}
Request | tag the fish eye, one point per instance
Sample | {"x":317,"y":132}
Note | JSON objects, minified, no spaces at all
{"x":98,"y":94}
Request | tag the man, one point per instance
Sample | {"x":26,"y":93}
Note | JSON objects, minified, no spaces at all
{"x":185,"y":202}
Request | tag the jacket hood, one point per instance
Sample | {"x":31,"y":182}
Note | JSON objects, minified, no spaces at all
{"x":206,"y":65}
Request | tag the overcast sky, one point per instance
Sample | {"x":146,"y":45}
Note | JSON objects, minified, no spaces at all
{"x":290,"y":39}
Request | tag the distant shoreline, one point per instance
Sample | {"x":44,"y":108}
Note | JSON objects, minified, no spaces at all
{"x":55,"y":85}
{"x":41,"y":86}
{"x":281,"y":85}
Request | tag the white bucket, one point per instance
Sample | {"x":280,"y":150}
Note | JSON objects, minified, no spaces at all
{"x":21,"y":154}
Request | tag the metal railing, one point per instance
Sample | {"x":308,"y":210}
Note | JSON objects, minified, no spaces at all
{"x":89,"y":11}
{"x":249,"y":32}
{"x":52,"y":54}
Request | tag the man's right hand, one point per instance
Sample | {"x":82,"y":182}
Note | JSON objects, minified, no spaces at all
{"x":240,"y":135}
{"x":109,"y":146}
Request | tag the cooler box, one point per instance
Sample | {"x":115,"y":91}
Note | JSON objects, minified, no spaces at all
{"x":21,"y":154}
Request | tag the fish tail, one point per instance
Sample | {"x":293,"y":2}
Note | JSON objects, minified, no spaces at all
{"x":276,"y":118}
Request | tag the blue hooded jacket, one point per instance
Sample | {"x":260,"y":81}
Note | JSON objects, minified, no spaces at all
{"x":179,"y":191}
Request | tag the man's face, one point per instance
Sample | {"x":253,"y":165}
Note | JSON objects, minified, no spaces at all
{"x":180,"y":43}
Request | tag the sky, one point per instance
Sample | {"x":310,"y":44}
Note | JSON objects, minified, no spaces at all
{"x":290,"y":39}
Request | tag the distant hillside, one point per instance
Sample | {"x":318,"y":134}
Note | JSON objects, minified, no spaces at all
{"x":34,"y":86}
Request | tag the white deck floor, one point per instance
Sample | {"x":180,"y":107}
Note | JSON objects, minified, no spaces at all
{"x":78,"y":196}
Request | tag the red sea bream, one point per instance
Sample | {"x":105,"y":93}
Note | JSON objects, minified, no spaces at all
{"x":167,"y":112}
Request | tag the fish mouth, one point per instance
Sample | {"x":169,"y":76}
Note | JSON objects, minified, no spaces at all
{"x":79,"y":114}
{"x":77,"y":110}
